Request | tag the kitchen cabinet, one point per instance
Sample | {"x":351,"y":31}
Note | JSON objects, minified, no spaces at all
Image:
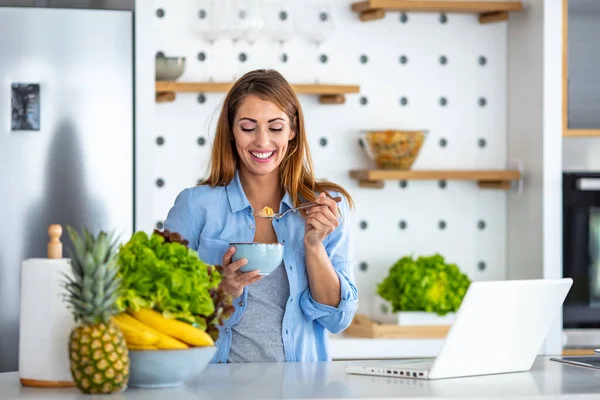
{"x":581,"y":68}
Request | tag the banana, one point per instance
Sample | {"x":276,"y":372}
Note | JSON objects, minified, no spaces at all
{"x":136,"y":336}
{"x":177,"y":329}
{"x":139,"y":347}
{"x":164,"y":341}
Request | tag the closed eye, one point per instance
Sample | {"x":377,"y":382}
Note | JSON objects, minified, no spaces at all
{"x":247,"y":130}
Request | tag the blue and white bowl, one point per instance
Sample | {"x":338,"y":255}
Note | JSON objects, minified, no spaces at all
{"x":167,"y":368}
{"x":264,"y":257}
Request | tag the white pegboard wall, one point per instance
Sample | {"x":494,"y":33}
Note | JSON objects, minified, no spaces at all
{"x":444,"y":73}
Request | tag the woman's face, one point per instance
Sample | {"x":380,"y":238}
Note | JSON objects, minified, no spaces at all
{"x":262,"y":132}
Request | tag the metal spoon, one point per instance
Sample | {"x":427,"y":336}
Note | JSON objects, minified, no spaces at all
{"x":261,"y":213}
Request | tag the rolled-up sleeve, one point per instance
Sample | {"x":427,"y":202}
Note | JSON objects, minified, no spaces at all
{"x":339,"y":250}
{"x":180,"y":219}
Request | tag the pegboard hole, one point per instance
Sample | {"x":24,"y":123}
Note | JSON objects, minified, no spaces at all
{"x":201,"y":56}
{"x":403,"y":101}
{"x":202,"y":14}
{"x":283,"y":57}
{"x":243,"y":57}
{"x":323,"y":58}
{"x":482,"y":102}
{"x":323,"y":16}
{"x":443,"y":142}
{"x":443,"y":101}
{"x":283,"y":15}
{"x":160,"y":182}
{"x":403,"y":184}
{"x":159,"y":225}
{"x":481,"y":225}
{"x":363,"y":266}
{"x":443,"y":18}
{"x":481,"y":266}
{"x":201,"y":98}
{"x":403,"y":59}
{"x":482,"y":60}
{"x":364,"y":59}
{"x":323,"y":142}
{"x":364,"y":101}
{"x":201,"y":141}
{"x":160,"y":13}
{"x":160,"y":54}
{"x":402,"y":225}
{"x":403,"y":18}
{"x":442,"y":225}
{"x":443,"y":60}
{"x":160,"y":140}
{"x":481,"y":142}
{"x":442,"y":184}
{"x":363,"y":225}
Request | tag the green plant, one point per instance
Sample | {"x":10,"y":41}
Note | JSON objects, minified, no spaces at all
{"x":160,"y":272}
{"x":427,"y":283}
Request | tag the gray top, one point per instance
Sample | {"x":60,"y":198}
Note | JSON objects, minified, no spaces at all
{"x":257,"y":336}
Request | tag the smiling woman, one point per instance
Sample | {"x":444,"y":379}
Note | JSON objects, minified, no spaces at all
{"x":261,"y":160}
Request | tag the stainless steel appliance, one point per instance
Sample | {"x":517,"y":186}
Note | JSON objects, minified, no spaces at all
{"x":66,"y":137}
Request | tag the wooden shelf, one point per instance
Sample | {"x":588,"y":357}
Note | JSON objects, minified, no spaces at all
{"x":581,"y":133}
{"x":328,"y":93}
{"x":363,"y":327}
{"x":486,"y":179}
{"x":488,"y":11}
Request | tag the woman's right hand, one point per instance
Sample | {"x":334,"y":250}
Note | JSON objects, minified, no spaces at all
{"x":234,"y":281}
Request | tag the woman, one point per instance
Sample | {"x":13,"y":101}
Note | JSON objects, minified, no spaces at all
{"x":261,"y":158}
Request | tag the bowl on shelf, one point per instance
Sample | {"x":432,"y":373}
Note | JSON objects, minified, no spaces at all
{"x":393,"y":149}
{"x":167,"y":368}
{"x":264,"y":257}
{"x":169,"y":68}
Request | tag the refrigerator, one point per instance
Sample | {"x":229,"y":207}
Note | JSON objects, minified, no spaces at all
{"x":66,"y":137}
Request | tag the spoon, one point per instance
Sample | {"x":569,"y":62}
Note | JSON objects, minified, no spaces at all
{"x":267,"y":212}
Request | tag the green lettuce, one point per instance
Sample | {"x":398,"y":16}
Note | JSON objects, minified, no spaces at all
{"x":160,"y":272}
{"x":425,"y":284}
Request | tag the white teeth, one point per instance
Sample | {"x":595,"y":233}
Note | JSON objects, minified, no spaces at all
{"x":262,"y":155}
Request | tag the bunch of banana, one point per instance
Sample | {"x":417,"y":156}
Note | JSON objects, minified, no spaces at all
{"x":147,"y":329}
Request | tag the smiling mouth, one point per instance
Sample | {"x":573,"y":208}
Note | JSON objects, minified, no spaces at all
{"x":262,"y":155}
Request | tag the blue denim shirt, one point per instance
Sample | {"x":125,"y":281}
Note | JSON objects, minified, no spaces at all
{"x":211,"y":218}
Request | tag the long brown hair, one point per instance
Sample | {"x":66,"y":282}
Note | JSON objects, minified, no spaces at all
{"x":296,"y":169}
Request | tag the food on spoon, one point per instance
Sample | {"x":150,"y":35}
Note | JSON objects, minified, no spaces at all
{"x":98,"y":354}
{"x":266,"y":212}
{"x":177,"y":329}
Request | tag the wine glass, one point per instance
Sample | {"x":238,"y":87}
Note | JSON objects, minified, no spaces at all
{"x":209,"y":21}
{"x":317,"y":23}
{"x":279,"y":20}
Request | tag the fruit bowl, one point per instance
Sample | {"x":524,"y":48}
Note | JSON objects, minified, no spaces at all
{"x":167,"y":368}
{"x":264,"y":257}
{"x":393,"y":149}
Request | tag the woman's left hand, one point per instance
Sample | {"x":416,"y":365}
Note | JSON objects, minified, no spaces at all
{"x":321,"y":220}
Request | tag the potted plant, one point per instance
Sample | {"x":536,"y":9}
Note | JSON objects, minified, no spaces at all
{"x":420,"y":291}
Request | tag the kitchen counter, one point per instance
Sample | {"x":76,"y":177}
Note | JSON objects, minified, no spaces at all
{"x":328,"y":380}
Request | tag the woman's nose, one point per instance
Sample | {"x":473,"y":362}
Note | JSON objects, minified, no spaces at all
{"x":262,"y":137}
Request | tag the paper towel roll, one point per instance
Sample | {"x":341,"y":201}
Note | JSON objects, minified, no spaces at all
{"x":45,"y":324}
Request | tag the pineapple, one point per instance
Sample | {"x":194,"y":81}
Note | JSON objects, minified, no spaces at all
{"x":98,"y":353}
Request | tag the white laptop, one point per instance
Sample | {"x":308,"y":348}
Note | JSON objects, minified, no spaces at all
{"x":500,"y":327}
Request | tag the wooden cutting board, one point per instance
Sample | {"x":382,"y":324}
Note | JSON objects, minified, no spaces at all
{"x":363,"y":327}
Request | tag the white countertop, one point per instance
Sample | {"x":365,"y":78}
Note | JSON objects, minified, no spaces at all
{"x":328,"y":380}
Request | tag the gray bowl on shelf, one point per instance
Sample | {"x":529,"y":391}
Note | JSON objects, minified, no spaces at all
{"x":169,"y":68}
{"x":167,"y":368}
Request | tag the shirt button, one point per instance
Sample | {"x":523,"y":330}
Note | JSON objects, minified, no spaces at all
{"x":291,"y":299}
{"x":241,"y":304}
{"x":226,"y":330}
{"x":251,"y":227}
{"x":283,"y":240}
{"x":286,"y":332}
